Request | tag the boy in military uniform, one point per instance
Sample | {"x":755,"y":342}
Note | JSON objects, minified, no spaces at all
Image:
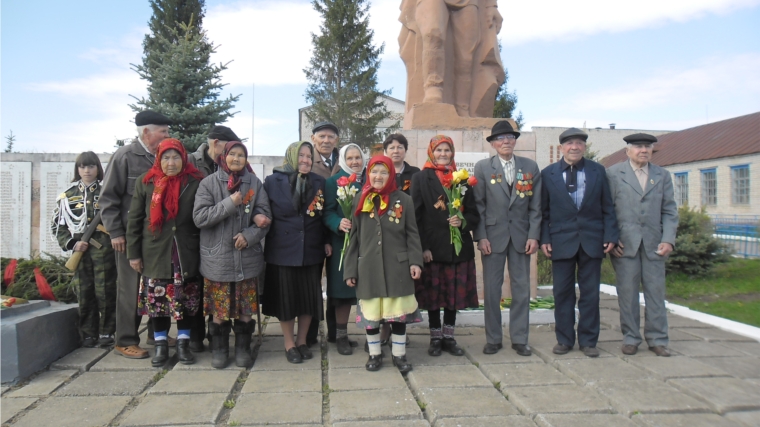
{"x":95,"y":277}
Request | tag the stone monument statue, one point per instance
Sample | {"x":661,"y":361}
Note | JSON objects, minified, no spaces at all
{"x":452,"y":61}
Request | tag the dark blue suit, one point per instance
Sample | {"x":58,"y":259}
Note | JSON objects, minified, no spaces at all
{"x":577,"y":236}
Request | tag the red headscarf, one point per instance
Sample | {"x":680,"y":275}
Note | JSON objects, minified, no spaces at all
{"x":235,"y":178}
{"x":369,"y":191}
{"x":167,"y":189}
{"x":442,"y":171}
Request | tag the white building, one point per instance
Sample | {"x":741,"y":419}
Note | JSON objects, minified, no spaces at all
{"x":393,"y":105}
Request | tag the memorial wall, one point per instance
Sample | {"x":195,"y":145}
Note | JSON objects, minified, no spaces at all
{"x":31,"y":183}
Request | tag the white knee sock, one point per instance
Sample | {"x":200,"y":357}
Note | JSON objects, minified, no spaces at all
{"x":373,"y":342}
{"x":398,"y":346}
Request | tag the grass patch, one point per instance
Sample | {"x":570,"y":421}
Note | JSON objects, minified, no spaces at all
{"x":229,"y":403}
{"x":731,"y":291}
{"x":234,"y":423}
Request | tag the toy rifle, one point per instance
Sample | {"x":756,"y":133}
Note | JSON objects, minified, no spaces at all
{"x":76,"y":257}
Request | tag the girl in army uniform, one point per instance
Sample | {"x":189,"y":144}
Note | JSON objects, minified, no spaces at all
{"x":95,"y":277}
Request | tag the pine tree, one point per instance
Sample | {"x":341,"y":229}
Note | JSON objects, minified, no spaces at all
{"x":169,"y":14}
{"x":342,"y":73}
{"x":9,"y":141}
{"x":506,"y":102}
{"x":184,"y":85}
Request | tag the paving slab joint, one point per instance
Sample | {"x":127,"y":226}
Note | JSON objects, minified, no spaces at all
{"x":325,"y":362}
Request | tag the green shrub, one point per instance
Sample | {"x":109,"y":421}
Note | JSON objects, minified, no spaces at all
{"x":696,"y":251}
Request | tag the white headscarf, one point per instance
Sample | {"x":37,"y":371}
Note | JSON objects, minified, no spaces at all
{"x":342,"y":159}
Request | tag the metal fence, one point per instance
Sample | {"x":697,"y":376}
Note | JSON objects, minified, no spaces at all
{"x":740,"y":232}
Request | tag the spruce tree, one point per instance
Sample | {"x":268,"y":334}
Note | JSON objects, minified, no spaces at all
{"x":506,"y":102}
{"x":10,"y":140}
{"x":169,"y":14}
{"x":184,"y":85}
{"x":342,"y":73}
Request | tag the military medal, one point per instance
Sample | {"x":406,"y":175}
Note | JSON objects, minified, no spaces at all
{"x":651,"y":181}
{"x":493,"y":179}
{"x":371,"y":214}
{"x":396,"y":220}
{"x":522,"y":195}
{"x":499,"y":178}
{"x":390,"y":218}
{"x":247,"y":209}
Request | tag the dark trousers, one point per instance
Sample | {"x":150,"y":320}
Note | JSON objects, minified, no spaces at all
{"x":313,"y":334}
{"x":589,"y":274}
{"x":127,"y":286}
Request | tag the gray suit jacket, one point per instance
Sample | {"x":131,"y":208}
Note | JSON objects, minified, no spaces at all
{"x":505,"y":216}
{"x":650,"y":215}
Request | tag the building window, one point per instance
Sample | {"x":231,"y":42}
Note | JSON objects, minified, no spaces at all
{"x":681,"y":187}
{"x":740,"y":185}
{"x":709,"y":187}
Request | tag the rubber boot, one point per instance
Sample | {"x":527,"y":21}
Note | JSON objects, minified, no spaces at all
{"x":243,"y":332}
{"x":184,"y":354}
{"x":162,"y":354}
{"x":220,"y":344}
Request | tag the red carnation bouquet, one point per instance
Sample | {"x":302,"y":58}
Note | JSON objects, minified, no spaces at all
{"x":346,"y":194}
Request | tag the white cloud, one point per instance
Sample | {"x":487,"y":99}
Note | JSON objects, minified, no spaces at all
{"x":547,"y":20}
{"x":719,"y":77}
{"x":269,"y":43}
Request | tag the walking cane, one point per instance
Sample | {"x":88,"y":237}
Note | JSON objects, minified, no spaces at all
{"x":258,"y":315}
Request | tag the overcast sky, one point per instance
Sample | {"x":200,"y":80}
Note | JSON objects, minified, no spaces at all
{"x":645,"y":64}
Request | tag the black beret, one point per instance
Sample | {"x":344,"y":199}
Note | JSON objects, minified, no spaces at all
{"x":572,"y":133}
{"x":148,"y":117}
{"x":640,"y":138}
{"x":501,"y":127}
{"x":223,"y":133}
{"x":325,"y":125}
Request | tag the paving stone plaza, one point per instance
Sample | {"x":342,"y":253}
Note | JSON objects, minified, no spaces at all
{"x":712,"y":380}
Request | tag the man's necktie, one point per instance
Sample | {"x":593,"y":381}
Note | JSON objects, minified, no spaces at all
{"x":571,"y":181}
{"x":508,"y":173}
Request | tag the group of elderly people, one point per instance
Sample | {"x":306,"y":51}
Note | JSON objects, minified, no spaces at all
{"x":194,"y":232}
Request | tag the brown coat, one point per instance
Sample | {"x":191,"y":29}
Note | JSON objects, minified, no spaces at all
{"x":380,"y":251}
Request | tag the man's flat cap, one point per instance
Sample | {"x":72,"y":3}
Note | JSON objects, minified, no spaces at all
{"x":148,"y":117}
{"x":500,"y":128}
{"x":640,"y":138}
{"x":325,"y":125}
{"x":572,"y":133}
{"x":223,"y":133}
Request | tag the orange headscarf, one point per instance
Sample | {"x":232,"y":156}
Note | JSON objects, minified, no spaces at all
{"x":444,"y":172}
{"x":369,"y":191}
{"x":167,"y":189}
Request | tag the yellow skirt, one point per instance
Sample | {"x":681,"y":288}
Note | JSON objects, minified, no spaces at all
{"x":371,"y":312}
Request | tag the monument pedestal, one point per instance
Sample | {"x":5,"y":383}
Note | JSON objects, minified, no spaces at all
{"x":35,"y":335}
{"x":444,"y":116}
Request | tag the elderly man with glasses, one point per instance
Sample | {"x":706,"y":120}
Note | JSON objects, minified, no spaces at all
{"x":508,"y":198}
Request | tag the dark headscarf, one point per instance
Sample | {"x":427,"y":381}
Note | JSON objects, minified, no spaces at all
{"x":368,"y":191}
{"x":166,"y":189}
{"x":300,"y":185}
{"x":235,"y":178}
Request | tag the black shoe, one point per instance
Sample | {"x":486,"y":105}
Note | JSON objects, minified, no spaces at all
{"x":197,"y":346}
{"x":450,"y":345}
{"x":162,"y":354}
{"x":293,"y":355}
{"x":305,"y":352}
{"x":90,"y":342}
{"x":106,"y":341}
{"x":243,"y":336}
{"x":344,"y":346}
{"x":491,"y":348}
{"x":184,"y":354}
{"x":435,"y":347}
{"x":590,"y":351}
{"x":522,"y":349}
{"x":220,"y":344}
{"x":401,"y":363}
{"x":561,"y":349}
{"x":374,"y":363}
{"x":350,"y":341}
